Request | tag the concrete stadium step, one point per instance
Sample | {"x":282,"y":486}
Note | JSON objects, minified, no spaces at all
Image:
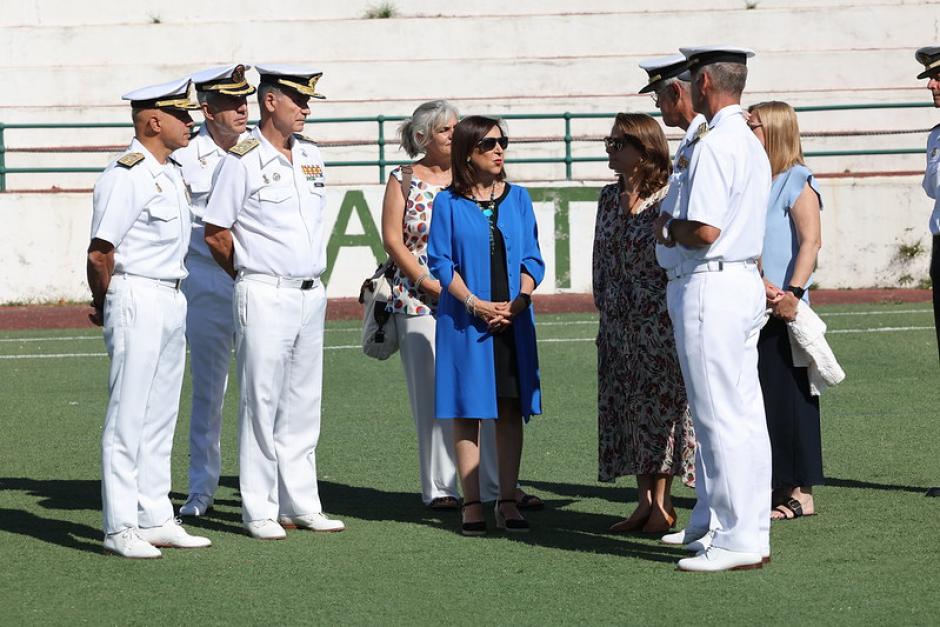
{"x":117,"y":12}
{"x":494,"y":79}
{"x":419,"y":41}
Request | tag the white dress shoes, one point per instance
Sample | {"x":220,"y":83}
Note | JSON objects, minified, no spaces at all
{"x":128,"y":543}
{"x":172,"y":535}
{"x":265,"y":530}
{"x":313,"y":522}
{"x":196,"y":505}
{"x":702,"y":544}
{"x":683,"y":537}
{"x":714,"y":560}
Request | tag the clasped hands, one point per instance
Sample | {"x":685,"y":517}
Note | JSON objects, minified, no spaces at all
{"x":498,"y":315}
{"x":782,"y":304}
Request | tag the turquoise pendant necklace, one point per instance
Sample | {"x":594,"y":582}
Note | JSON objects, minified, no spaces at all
{"x":488,"y":210}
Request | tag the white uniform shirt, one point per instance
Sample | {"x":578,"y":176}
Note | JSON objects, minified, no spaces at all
{"x":931,"y":181}
{"x":144,"y":211}
{"x":668,"y":257}
{"x":199,"y":160}
{"x":728,"y":188}
{"x":275,"y":209}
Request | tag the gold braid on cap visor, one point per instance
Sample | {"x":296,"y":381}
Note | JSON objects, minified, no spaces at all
{"x":241,"y":88}
{"x":310,"y":89}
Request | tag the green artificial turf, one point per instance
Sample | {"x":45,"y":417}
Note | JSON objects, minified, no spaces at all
{"x":869,"y":557}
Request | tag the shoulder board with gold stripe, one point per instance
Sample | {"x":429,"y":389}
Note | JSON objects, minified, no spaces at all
{"x":130,"y":159}
{"x":304,"y":138}
{"x":243,"y":148}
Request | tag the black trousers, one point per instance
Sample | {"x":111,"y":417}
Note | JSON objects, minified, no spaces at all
{"x":935,"y":279}
{"x":792,"y":412}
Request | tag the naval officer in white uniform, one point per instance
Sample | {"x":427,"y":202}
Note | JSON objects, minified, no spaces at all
{"x":265,"y":227}
{"x":716,"y":301}
{"x":669,"y":86}
{"x":210,"y":330}
{"x":929,"y":57}
{"x":139,"y":234}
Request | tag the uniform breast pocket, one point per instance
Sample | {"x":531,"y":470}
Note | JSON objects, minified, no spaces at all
{"x":274,"y":195}
{"x":164,"y":220}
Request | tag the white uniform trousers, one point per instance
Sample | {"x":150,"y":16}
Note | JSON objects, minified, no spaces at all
{"x":210,"y":331}
{"x":279,"y":351}
{"x":144,"y":332}
{"x":717,"y":317}
{"x":436,"y":461}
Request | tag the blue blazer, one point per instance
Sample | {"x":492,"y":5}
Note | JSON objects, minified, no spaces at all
{"x":465,"y":381}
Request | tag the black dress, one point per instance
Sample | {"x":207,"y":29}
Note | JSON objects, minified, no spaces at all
{"x":504,"y":344}
{"x":792,"y":411}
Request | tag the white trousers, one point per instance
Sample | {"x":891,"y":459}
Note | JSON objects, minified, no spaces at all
{"x":144,"y":332}
{"x":279,"y":351}
{"x":210,"y":331}
{"x":436,"y":461}
{"x":717,"y":318}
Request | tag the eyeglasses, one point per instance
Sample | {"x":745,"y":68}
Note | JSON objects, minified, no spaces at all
{"x":617,"y":143}
{"x":489,"y":143}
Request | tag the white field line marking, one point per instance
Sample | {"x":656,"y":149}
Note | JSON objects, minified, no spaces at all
{"x":542,"y":341}
{"x":880,"y":330}
{"x":550,"y":323}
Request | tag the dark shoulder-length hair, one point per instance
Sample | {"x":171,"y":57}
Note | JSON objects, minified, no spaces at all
{"x":647,"y":136}
{"x":467,"y":134}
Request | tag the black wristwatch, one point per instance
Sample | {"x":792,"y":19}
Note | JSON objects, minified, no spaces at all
{"x":796,"y":290}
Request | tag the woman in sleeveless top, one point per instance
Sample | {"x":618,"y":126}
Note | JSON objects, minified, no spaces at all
{"x":791,"y":243}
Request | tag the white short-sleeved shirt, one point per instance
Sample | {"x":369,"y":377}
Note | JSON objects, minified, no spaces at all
{"x":667,"y":256}
{"x":931,"y":180}
{"x":274,"y":208}
{"x":198,"y":161}
{"x":144,"y":211}
{"x":728,"y":187}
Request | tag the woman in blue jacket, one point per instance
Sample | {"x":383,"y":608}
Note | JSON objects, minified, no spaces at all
{"x":483,"y":248}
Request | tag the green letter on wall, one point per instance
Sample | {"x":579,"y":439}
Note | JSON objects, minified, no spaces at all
{"x":353,"y":200}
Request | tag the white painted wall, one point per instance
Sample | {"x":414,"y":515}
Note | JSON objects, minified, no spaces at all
{"x":42,"y":247}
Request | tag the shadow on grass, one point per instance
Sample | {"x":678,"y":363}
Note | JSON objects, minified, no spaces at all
{"x":54,"y":494}
{"x":835,"y":482}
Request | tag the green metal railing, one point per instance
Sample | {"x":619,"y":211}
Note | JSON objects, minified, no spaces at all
{"x":382,"y":163}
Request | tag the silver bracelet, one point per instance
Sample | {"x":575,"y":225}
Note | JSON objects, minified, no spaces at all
{"x":420,"y":279}
{"x":468,"y":303}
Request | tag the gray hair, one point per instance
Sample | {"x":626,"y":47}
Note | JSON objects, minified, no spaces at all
{"x":415,"y":132}
{"x":727,"y":78}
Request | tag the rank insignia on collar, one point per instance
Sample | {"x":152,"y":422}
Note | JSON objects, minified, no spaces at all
{"x":305,"y":138}
{"x":683,"y":163}
{"x":130,"y":159}
{"x":243,"y":148}
{"x":701,"y":131}
{"x":159,"y":189}
{"x":189,"y":193}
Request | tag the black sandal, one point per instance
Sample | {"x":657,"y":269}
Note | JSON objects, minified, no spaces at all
{"x":510,"y":525}
{"x":790,"y":506}
{"x":472,"y":528}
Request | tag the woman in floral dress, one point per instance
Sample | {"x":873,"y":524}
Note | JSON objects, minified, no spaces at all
{"x":644,"y":425}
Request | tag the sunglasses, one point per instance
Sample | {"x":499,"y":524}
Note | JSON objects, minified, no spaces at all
{"x":489,"y":143}
{"x":617,"y":143}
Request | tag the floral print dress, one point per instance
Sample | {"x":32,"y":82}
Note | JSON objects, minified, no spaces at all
{"x":416,"y":224}
{"x":644,"y":425}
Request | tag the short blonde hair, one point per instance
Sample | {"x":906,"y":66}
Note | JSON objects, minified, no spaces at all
{"x":781,"y":134}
